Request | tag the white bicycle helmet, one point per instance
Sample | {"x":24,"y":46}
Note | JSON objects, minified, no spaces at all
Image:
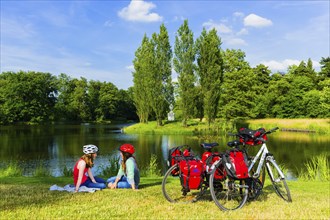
{"x":90,"y":149}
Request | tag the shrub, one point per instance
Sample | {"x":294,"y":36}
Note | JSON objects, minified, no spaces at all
{"x":317,"y":169}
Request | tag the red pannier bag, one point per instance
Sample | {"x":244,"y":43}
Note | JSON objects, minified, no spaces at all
{"x":191,"y":173}
{"x":209,"y":158}
{"x":235,"y":163}
{"x":249,"y":136}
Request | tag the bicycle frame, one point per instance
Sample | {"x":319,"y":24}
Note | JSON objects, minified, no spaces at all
{"x":264,"y":155}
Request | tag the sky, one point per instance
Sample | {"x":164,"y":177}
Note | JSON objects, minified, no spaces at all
{"x":97,"y":39}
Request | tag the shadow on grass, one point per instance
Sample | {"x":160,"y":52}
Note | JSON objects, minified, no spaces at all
{"x":146,"y":185}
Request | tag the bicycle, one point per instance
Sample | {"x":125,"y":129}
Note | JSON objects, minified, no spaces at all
{"x":223,"y":197}
{"x":175,"y":185}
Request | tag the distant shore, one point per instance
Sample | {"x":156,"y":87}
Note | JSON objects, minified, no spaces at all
{"x":321,"y":126}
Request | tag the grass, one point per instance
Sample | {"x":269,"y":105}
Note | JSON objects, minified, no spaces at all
{"x":303,"y":124}
{"x":317,"y":169}
{"x":30,"y":198}
{"x":198,"y":128}
{"x":194,"y":126}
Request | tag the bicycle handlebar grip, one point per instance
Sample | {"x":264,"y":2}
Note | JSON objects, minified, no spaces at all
{"x":274,"y":129}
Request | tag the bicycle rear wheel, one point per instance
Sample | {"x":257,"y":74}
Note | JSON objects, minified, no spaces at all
{"x":228,"y":194}
{"x":173,"y":190}
{"x":278,"y":180}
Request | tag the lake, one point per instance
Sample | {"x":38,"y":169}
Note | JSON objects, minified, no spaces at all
{"x":57,"y":146}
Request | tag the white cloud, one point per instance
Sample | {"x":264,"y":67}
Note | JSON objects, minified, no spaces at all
{"x":254,"y":20}
{"x":235,"y":41}
{"x":284,"y":64}
{"x":221,"y":28}
{"x":238,"y":14}
{"x":130,"y":67}
{"x":140,"y":11}
{"x":280,"y":65}
{"x":243,"y":31}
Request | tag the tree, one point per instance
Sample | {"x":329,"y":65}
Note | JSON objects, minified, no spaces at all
{"x":143,"y":68}
{"x":237,"y":98}
{"x":27,"y":96}
{"x":161,"y":88}
{"x":210,"y":71}
{"x":325,"y":67}
{"x":260,"y":85}
{"x":184,"y":66}
{"x":125,"y":107}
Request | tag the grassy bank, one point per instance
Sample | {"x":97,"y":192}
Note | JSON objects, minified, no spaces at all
{"x":30,"y":198}
{"x":196,"y":127}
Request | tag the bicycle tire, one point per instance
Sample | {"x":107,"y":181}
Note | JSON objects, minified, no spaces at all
{"x":278,"y":182}
{"x":173,"y":190}
{"x":256,"y":184}
{"x":228,"y":194}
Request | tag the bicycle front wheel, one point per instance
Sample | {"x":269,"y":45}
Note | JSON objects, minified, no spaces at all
{"x":278,"y":180}
{"x":173,"y":190}
{"x":228,"y":194}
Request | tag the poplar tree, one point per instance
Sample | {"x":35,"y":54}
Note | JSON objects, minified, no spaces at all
{"x":184,"y":66}
{"x":210,"y":71}
{"x":142,"y":75}
{"x":161,"y":81}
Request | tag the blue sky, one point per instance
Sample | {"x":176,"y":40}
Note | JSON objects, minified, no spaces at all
{"x":97,"y":39}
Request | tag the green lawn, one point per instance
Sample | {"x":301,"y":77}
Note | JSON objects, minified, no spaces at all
{"x":30,"y":198}
{"x":196,"y":127}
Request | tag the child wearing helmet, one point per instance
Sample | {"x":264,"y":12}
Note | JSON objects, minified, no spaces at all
{"x":128,"y":175}
{"x":82,"y":173}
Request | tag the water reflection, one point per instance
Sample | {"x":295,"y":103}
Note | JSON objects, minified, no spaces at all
{"x":57,"y":146}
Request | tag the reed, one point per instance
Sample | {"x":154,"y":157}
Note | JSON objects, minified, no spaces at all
{"x":317,"y":169}
{"x":67,"y":172}
{"x":112,"y":168}
{"x":13,"y":169}
{"x":152,"y":170}
{"x":41,"y":171}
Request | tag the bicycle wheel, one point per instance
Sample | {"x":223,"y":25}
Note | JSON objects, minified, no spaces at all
{"x":278,"y":180}
{"x":228,"y":194}
{"x":173,"y":190}
{"x":256,"y":184}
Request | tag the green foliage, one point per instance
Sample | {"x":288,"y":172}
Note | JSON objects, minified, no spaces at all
{"x":67,"y":172}
{"x":161,"y":94}
{"x":143,"y":68}
{"x":317,"y":169}
{"x":27,"y":96}
{"x":237,"y":98}
{"x":183,"y":62}
{"x":112,"y":169}
{"x":12,"y":170}
{"x":210,"y":72}
{"x":41,"y":171}
{"x":152,"y":170}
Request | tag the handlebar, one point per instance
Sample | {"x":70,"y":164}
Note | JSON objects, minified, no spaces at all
{"x":250,"y":134}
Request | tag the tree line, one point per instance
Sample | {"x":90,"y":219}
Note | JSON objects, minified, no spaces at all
{"x":212,"y":83}
{"x":37,"y":97}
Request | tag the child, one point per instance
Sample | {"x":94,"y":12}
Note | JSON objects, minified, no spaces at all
{"x":128,"y":175}
{"x":82,"y":173}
